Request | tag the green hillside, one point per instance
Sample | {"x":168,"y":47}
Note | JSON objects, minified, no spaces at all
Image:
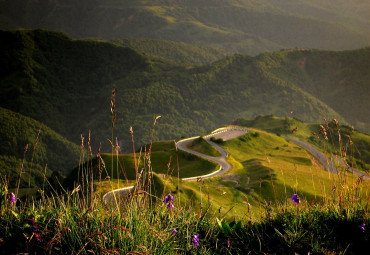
{"x":200,"y":145}
{"x":340,"y":79}
{"x":179,"y":52}
{"x":164,"y":159}
{"x":66,"y":84}
{"x":266,"y":168}
{"x":243,"y":26}
{"x":52,"y":151}
{"x":62,"y":83}
{"x":358,"y":154}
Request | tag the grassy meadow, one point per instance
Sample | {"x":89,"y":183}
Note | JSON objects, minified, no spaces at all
{"x":341,"y":138}
{"x":267,"y":168}
{"x":247,"y":210}
{"x":201,"y":146}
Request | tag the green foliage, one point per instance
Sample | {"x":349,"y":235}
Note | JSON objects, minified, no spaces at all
{"x":202,"y":146}
{"x":180,"y":53}
{"x":10,"y":168}
{"x":338,"y":79}
{"x":69,"y":224}
{"x":44,"y":151}
{"x":309,"y":230}
{"x":217,"y":140}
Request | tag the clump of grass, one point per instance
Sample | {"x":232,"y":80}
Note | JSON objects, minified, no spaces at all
{"x":202,"y":146}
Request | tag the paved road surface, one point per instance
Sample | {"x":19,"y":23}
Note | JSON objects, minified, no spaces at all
{"x":227,"y":134}
{"x":323,"y":159}
{"x":224,"y":133}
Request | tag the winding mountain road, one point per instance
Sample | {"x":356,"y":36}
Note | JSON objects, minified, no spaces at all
{"x":328,"y":164}
{"x":223,"y":133}
{"x":228,"y":133}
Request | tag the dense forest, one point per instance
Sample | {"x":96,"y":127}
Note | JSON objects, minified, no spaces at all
{"x":41,"y":149}
{"x":176,"y":51}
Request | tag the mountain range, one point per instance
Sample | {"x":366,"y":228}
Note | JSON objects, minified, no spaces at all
{"x":243,"y":26}
{"x":66,"y":85}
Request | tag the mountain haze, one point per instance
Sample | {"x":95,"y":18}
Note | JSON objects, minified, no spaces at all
{"x":243,"y":26}
{"x":67,"y":84}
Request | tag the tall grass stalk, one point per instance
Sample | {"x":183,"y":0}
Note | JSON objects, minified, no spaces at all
{"x":178,"y":172}
{"x":33,"y":153}
{"x":21,"y":169}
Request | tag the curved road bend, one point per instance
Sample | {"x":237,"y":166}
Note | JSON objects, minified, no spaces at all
{"x":221,"y":160}
{"x":322,"y":158}
{"x":224,"y":133}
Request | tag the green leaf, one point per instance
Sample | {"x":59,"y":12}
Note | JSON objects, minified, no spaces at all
{"x":219,"y":223}
{"x":15,"y":214}
{"x":238,"y":226}
{"x":226,"y":228}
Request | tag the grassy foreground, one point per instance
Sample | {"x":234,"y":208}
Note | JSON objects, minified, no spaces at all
{"x":72,"y":224}
{"x":256,"y":216}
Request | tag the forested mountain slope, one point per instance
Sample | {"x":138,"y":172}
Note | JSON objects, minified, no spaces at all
{"x":67,"y":85}
{"x":42,"y":149}
{"x":243,"y":26}
{"x":340,"y":79}
{"x":177,"y":51}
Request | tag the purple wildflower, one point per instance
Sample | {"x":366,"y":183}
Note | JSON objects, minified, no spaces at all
{"x":170,"y":206}
{"x":228,"y":242}
{"x":35,"y":230}
{"x":362,"y":226}
{"x":195,"y":240}
{"x":174,"y":231}
{"x":168,"y":198}
{"x":296,"y":199}
{"x":12,"y":198}
{"x":34,"y":225}
{"x":38,"y":237}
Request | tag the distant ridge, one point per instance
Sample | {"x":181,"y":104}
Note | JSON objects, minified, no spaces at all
{"x":67,"y":83}
{"x":248,"y":27}
{"x":180,"y":53}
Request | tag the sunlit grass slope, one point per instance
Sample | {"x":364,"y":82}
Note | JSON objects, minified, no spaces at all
{"x":358,"y":153}
{"x":266,"y":168}
{"x":200,"y":145}
{"x":164,"y":160}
